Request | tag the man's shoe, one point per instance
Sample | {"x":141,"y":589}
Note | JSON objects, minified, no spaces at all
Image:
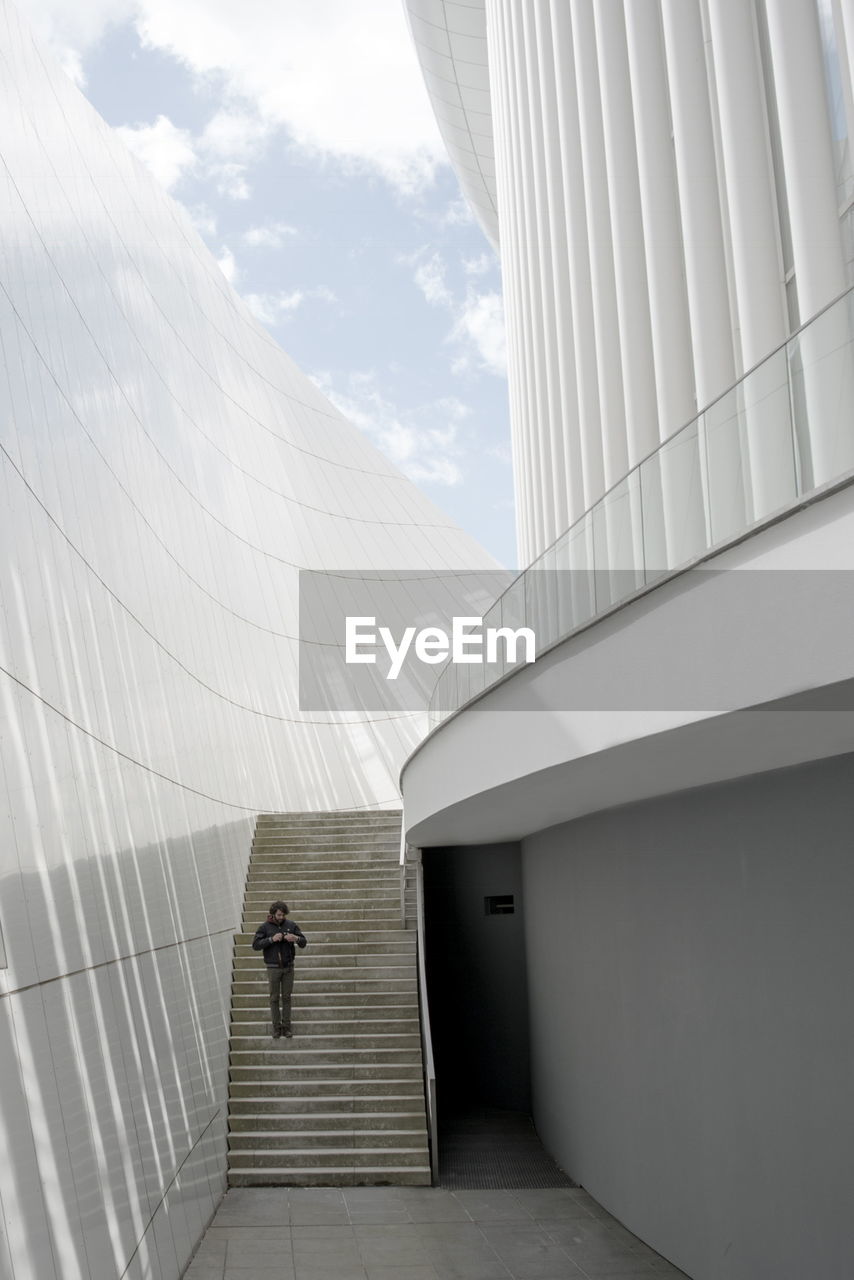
{"x":287,"y":1032}
{"x":277,"y":1032}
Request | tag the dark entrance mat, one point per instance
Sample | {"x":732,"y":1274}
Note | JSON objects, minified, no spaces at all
{"x":485,"y":1150}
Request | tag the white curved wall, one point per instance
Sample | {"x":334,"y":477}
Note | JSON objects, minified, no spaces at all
{"x":674,"y":194}
{"x":450,"y":40}
{"x":165,"y":471}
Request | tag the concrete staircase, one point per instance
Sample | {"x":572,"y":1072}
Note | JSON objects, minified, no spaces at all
{"x":342,"y":1103}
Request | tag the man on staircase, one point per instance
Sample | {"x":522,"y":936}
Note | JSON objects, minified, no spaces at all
{"x":278,"y":937}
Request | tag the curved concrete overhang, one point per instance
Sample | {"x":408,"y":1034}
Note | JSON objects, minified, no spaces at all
{"x":741,"y":667}
{"x":451,"y":43}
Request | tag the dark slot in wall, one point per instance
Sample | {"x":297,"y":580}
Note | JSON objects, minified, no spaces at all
{"x":476,"y":978}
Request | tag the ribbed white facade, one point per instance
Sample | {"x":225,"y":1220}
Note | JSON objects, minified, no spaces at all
{"x":674,"y":773}
{"x":166,"y":471}
{"x":674,"y":187}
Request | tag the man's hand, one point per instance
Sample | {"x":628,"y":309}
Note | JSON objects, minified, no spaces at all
{"x":277,"y":937}
{"x":291,"y":937}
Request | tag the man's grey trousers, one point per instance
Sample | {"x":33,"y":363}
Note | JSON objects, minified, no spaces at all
{"x":281,"y":986}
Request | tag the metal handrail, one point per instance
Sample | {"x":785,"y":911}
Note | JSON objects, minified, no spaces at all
{"x":426,"y":1036}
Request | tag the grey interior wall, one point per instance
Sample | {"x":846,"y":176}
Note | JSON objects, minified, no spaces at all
{"x":691,"y":965}
{"x":476,"y":977}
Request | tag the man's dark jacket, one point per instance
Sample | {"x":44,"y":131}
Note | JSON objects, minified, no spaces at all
{"x":278,"y":954}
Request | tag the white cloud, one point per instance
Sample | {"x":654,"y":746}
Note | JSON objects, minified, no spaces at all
{"x":342,"y":78}
{"x":272,"y":308}
{"x":163,"y":148}
{"x":72,"y":29}
{"x":228,"y":265}
{"x":221,"y":153}
{"x":481,"y":322}
{"x":457,"y":214}
{"x":271,"y":236}
{"x":478,"y":266}
{"x":232,"y":133}
{"x":230,"y":180}
{"x":230,"y":141}
{"x":502,"y":453}
{"x":478,"y":318}
{"x":424,"y":443}
{"x":430,"y":278}
{"x":203,"y":219}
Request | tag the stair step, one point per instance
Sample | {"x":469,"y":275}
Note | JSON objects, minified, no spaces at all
{"x":387,"y":908}
{"x":351,"y":819}
{"x":331,"y":866}
{"x":306,"y":843}
{"x":355,"y":1106}
{"x":269,"y":1054}
{"x":331,"y":1157}
{"x":312,"y":1040}
{"x":380,"y":941}
{"x":327,"y":1122}
{"x":318,"y":896}
{"x":336,"y":974}
{"x":322,"y":1008}
{"x":340,"y":1177}
{"x":286,"y":1080}
{"x":316,"y":1026}
{"x":390,"y":955}
{"x":297,"y":1087}
{"x":251,"y":996}
{"x":269,"y":1142}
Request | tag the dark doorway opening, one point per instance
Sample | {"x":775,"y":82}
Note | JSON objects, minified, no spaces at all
{"x":478,"y":997}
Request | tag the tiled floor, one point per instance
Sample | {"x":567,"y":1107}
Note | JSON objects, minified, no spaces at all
{"x":415,"y":1233}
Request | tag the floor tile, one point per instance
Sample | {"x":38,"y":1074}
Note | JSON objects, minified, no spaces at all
{"x":409,"y":1233}
{"x":493,"y":1206}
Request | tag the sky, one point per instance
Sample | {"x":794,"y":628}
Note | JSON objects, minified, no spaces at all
{"x":300,"y":137}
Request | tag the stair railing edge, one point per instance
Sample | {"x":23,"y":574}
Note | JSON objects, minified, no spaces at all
{"x":426,"y":1035}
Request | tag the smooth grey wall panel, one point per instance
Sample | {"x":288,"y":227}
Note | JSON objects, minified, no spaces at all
{"x":692,"y":1033}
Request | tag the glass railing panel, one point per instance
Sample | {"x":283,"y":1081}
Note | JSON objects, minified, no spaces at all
{"x":750,"y":455}
{"x":821,"y":371}
{"x":444,"y":699}
{"x":542,"y":599}
{"x":674,"y":511}
{"x":726,"y":466}
{"x":618,"y":543}
{"x":574,"y":569}
{"x":479,"y":678}
{"x":767,"y":413}
{"x":513,"y":614}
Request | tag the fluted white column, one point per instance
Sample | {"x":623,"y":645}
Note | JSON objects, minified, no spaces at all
{"x":699,"y":200}
{"x":671,"y":332}
{"x":601,"y":247}
{"x":504,"y":58}
{"x":806,"y":143}
{"x":805,"y":139}
{"x":581,"y":286}
{"x":499,"y":90}
{"x":543,"y":245}
{"x":620,"y":152}
{"x":562,"y":338}
{"x":750,"y":195}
